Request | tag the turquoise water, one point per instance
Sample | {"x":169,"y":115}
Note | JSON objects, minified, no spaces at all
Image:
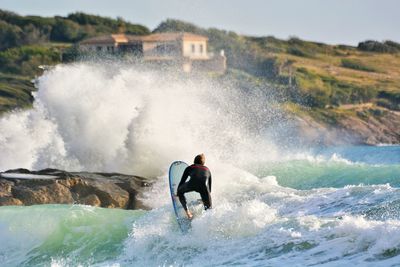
{"x":312,"y":207}
{"x":47,"y":234}
{"x":329,"y":209}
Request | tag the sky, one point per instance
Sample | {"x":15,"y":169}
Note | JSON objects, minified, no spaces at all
{"x":329,"y":21}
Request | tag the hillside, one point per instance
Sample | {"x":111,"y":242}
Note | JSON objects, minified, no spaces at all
{"x":27,"y":42}
{"x":317,"y":74}
{"x":345,"y":93}
{"x":332,"y":93}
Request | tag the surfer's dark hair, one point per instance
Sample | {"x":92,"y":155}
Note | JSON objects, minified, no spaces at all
{"x":200,"y":159}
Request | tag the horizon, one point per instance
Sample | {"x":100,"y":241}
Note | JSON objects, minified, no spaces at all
{"x":312,"y":21}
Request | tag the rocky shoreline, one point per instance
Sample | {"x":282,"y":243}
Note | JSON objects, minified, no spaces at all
{"x":52,"y":186}
{"x":382,"y":128}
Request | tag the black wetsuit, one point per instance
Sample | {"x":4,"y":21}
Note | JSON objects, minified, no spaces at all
{"x":200,"y":175}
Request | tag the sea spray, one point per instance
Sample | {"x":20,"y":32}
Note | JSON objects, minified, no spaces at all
{"x":271,"y":207}
{"x":116,"y":117}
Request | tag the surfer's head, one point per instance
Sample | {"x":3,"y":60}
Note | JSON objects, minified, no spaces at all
{"x":200,"y":159}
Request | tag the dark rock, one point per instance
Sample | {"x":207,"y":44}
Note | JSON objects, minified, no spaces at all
{"x":5,"y":188}
{"x":31,"y":194}
{"x":10,"y":201}
{"x":109,"y":190}
{"x":368,"y":127}
{"x":110,"y":195}
{"x":131,"y":186}
{"x":19,"y":170}
{"x":91,"y":200}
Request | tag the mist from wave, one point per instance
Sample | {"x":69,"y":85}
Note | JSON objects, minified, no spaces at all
{"x":116,"y":117}
{"x":335,"y":206}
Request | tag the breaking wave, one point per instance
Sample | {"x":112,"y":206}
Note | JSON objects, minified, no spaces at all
{"x":330,"y":207}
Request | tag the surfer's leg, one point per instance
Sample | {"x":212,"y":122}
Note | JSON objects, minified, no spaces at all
{"x":181,"y":194}
{"x":206,"y":198}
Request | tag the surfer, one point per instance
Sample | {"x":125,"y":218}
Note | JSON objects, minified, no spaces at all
{"x":200,"y":177}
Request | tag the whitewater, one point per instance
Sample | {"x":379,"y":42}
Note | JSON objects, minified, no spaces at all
{"x":275,"y":204}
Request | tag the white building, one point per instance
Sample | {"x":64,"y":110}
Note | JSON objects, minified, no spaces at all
{"x":185,"y":49}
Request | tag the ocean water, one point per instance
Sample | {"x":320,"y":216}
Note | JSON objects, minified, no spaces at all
{"x":273,"y":205}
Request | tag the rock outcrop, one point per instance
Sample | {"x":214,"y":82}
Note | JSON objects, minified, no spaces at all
{"x":51,"y":186}
{"x":368,"y":126}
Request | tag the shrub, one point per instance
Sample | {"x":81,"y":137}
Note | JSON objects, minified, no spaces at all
{"x":390,"y":100}
{"x":172,"y":25}
{"x":10,"y":35}
{"x":66,"y":31}
{"x":393,"y":44}
{"x":106,"y":25}
{"x":299,"y":52}
{"x":356,"y":65}
{"x":387,"y":104}
{"x":377,"y":112}
{"x":26,"y":59}
{"x":375,"y":46}
{"x":392,"y":96}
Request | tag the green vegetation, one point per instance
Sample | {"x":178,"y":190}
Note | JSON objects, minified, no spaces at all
{"x":15,"y":92}
{"x":240,"y":50}
{"x":321,"y":90}
{"x":389,"y":100}
{"x":356,"y":65}
{"x":25,"y":60}
{"x":27,"y":42}
{"x":375,"y":46}
{"x":309,"y":78}
{"x":16,"y":30}
{"x":316,"y":78}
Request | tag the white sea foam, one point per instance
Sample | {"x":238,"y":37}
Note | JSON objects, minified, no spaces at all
{"x":119,"y":118}
{"x":97,"y":117}
{"x":312,"y":157}
{"x":260,"y":231}
{"x":26,"y":176}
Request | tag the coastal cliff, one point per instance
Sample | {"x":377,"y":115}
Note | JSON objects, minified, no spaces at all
{"x":359,"y":124}
{"x":333,"y":94}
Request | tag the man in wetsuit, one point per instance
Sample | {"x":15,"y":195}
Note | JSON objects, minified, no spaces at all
{"x":200,"y":176}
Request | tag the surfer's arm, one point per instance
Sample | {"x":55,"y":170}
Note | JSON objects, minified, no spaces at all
{"x":185,"y":175}
{"x":209,"y":183}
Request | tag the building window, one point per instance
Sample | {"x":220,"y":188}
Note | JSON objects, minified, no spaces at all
{"x":98,"y":48}
{"x":193,"y":48}
{"x":201,"y":49}
{"x":165,"y":49}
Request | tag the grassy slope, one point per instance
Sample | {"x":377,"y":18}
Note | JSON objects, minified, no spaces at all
{"x":385,"y":77}
{"x":322,"y":68}
{"x":15,"y":92}
{"x":20,"y":67}
{"x":29,"y":41}
{"x":326,"y":60}
{"x":333,"y":77}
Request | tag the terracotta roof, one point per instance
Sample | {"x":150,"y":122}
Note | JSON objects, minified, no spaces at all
{"x":98,"y":40}
{"x":156,"y":37}
{"x":106,"y":39}
{"x":134,"y":38}
{"x":120,"y":38}
{"x":173,"y":36}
